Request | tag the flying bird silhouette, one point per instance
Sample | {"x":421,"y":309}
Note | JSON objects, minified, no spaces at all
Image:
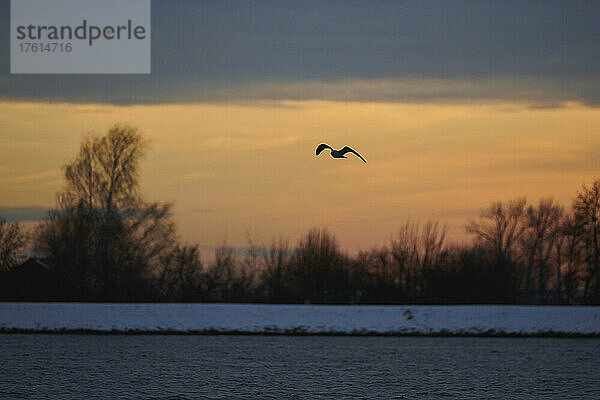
{"x":338,"y":153}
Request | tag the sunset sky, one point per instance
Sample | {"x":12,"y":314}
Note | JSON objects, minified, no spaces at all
{"x":454,"y":105}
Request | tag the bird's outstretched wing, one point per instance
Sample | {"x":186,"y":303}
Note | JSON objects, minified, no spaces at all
{"x":347,"y":149}
{"x":322,"y":147}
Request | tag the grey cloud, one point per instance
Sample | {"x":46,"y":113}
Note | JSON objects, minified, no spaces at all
{"x":557,"y":163}
{"x":211,"y":51}
{"x":23,"y":214}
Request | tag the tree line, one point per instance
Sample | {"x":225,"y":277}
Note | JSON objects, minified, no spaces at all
{"x":104,"y":242}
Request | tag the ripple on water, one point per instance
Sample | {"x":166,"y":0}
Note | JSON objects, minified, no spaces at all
{"x":267,"y":367}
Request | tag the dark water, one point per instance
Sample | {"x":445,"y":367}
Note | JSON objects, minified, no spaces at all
{"x":230,"y":367}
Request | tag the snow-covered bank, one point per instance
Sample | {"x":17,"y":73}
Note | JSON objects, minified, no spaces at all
{"x":301,"y":319}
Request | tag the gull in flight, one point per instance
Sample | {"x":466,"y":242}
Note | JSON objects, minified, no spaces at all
{"x":338,"y":153}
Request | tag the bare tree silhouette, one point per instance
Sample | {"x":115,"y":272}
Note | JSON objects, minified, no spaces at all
{"x":415,"y":249}
{"x":12,"y":240}
{"x":500,"y":228}
{"x":543,"y":223}
{"x":587,"y":215}
{"x":180,"y":274}
{"x":568,"y":253}
{"x":103,"y":232}
{"x":318,"y":267}
{"x":276,"y":262}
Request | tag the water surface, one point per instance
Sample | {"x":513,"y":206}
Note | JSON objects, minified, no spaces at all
{"x":46,"y":366}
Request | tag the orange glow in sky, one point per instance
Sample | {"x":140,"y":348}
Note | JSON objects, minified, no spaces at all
{"x":235,"y":171}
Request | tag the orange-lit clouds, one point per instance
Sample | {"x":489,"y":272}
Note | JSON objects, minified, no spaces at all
{"x":239,"y":170}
